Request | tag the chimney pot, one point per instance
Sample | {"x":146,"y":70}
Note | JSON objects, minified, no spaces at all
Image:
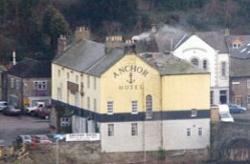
{"x":82,"y":33}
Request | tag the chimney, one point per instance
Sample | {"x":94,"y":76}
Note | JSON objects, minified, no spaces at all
{"x":130,"y":47}
{"x":61,"y":44}
{"x":227,"y":32}
{"x":113,"y":42}
{"x":82,"y":33}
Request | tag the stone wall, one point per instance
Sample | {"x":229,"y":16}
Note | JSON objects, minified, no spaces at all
{"x":226,"y":139}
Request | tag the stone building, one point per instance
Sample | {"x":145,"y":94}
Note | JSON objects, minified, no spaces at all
{"x":27,"y":82}
{"x":137,"y":102}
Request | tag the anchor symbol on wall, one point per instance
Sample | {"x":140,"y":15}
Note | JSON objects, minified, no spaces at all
{"x":131,"y":80}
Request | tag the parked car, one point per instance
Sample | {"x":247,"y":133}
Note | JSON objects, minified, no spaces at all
{"x":3,"y":105}
{"x":12,"y":111}
{"x":43,"y":113}
{"x":234,"y":108}
{"x":224,"y":113}
{"x":226,"y":117}
{"x":41,"y":139}
{"x":32,"y":110}
{"x":24,"y":139}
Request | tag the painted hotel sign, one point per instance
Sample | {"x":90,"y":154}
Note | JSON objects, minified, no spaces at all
{"x":129,"y":71}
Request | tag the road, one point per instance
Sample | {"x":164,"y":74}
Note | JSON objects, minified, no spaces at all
{"x":12,"y":126}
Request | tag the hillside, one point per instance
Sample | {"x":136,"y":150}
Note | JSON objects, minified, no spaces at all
{"x":31,"y":27}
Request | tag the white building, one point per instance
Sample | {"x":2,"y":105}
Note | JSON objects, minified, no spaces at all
{"x":208,"y":51}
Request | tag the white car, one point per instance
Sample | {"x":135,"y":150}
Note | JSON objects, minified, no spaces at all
{"x":32,"y":110}
{"x":3,"y":105}
{"x":226,"y":117}
{"x":24,"y":139}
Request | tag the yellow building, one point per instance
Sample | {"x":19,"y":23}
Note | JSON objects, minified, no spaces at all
{"x":135,"y":101}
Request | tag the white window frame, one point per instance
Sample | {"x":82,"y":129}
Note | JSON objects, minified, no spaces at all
{"x":110,"y":107}
{"x":134,"y":105}
{"x":223,"y":69}
{"x":134,"y":129}
{"x":40,"y":85}
{"x":194,"y":112}
{"x":188,"y":132}
{"x":200,"y":131}
{"x":111,"y":130}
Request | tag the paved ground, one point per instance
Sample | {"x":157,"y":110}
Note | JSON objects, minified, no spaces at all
{"x":10,"y":127}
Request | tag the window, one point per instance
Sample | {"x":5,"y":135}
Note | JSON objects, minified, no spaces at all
{"x":110,"y":129}
{"x":65,"y":121}
{"x":134,"y":107}
{"x":248,"y":83}
{"x":68,"y":75}
{"x":88,"y":81}
{"x":195,"y":61}
{"x":58,"y":72}
{"x":211,"y":97}
{"x":223,"y":69}
{"x":193,"y":113}
{"x":94,"y":83}
{"x":205,"y":65}
{"x":88,"y":102}
{"x":59,"y":93}
{"x":18,"y":84}
{"x":110,"y":107}
{"x":12,"y":82}
{"x":188,"y":132}
{"x":95,"y":105}
{"x":223,"y":96}
{"x":76,"y":78}
{"x":248,"y":99}
{"x":77,"y":100}
{"x":40,"y":85}
{"x":134,"y":129}
{"x":200,"y":131}
{"x":149,"y":105}
{"x":237,"y":99}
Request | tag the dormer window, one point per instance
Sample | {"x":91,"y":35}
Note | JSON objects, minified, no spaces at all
{"x":236,"y":45}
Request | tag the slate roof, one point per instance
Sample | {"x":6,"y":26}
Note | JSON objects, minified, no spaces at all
{"x":239,"y":67}
{"x":31,"y":68}
{"x":89,"y":57}
{"x":168,"y":64}
{"x":241,"y":52}
{"x":169,"y":38}
{"x":215,"y":39}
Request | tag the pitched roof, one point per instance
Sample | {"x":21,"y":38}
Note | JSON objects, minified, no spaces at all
{"x":239,"y":67}
{"x":89,"y":57}
{"x":215,"y":39}
{"x":168,"y":64}
{"x":31,"y":68}
{"x":81,"y":55}
{"x":169,"y":38}
{"x":243,"y":51}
